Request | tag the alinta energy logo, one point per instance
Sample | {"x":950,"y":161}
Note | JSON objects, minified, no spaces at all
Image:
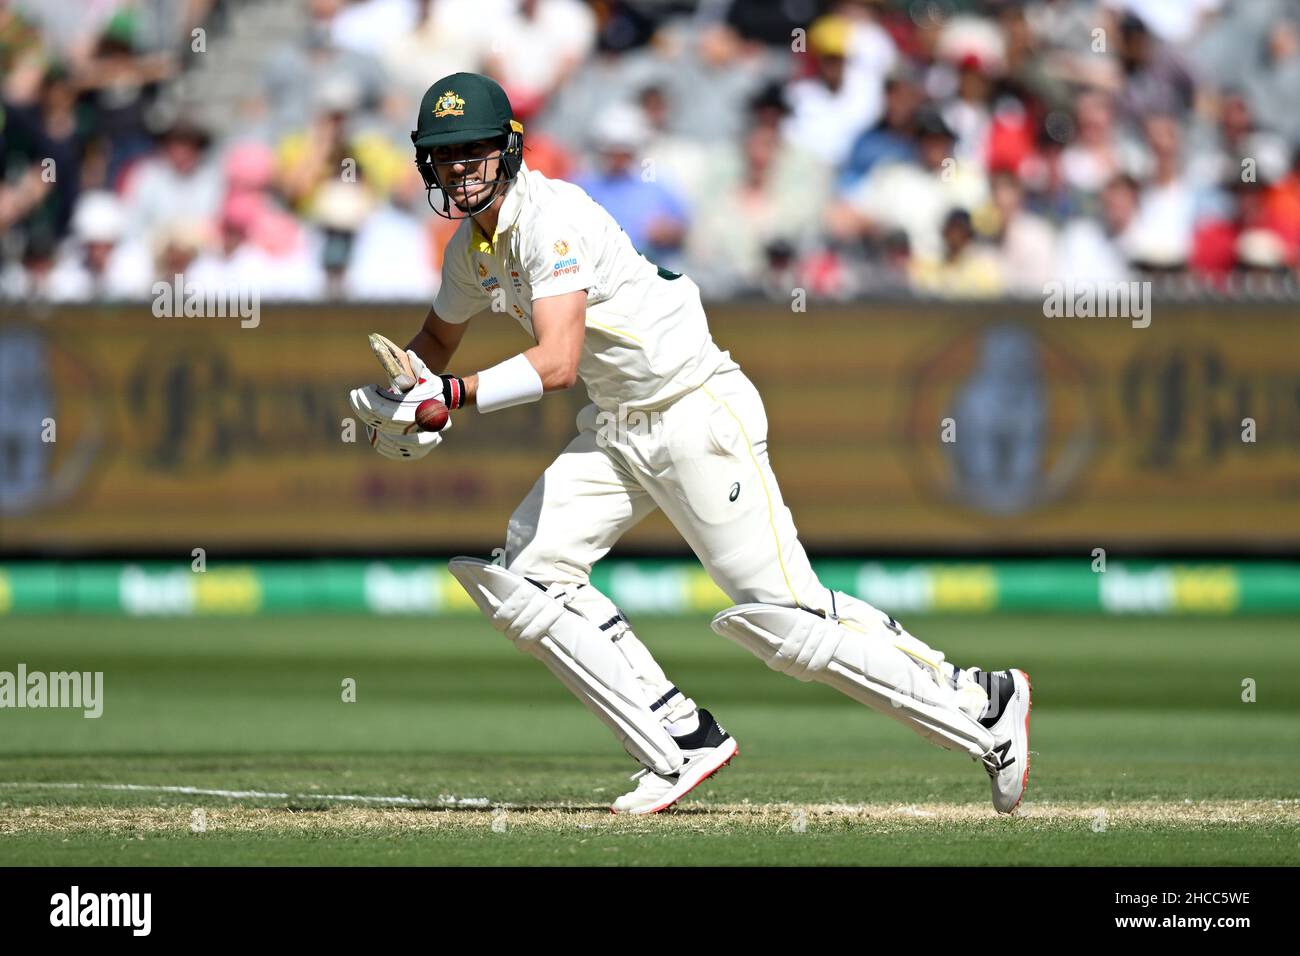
{"x":76,"y":909}
{"x":21,"y":689}
{"x":1000,"y":420}
{"x":52,"y":428}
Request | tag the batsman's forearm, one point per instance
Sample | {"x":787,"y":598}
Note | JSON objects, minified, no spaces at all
{"x":554,"y":375}
{"x":436,"y":355}
{"x":556,"y":368}
{"x":553,"y":378}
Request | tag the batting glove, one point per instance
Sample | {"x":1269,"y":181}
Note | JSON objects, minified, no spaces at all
{"x":453,"y":386}
{"x":403,"y":447}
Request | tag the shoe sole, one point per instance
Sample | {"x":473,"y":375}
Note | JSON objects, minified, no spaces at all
{"x":1029,"y":705}
{"x":727,"y":754}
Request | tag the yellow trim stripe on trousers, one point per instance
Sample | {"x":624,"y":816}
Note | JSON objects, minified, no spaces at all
{"x":771,"y":518}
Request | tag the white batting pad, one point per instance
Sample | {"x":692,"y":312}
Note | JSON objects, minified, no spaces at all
{"x":867,"y":667}
{"x":576,"y":651}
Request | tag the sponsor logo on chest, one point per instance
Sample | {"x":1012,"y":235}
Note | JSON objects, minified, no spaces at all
{"x":489,"y":282}
{"x":565,"y":264}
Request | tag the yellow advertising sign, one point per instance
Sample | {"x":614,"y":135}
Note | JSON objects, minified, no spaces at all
{"x":891,"y":426}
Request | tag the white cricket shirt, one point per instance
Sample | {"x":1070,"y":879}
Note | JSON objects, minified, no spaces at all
{"x":647,"y":339}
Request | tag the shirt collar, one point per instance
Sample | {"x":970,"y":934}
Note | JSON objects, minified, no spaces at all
{"x":510,"y":209}
{"x":508,"y":215}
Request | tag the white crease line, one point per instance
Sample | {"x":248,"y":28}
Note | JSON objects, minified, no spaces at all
{"x":444,"y":800}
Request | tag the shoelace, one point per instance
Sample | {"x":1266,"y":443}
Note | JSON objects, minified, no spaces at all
{"x":645,"y":770}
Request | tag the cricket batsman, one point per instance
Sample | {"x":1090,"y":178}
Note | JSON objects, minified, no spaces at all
{"x":673,"y":424}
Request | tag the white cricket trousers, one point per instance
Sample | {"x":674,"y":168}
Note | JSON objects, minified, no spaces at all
{"x":703,"y":460}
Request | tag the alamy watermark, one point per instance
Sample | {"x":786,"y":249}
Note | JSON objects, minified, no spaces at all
{"x":176,"y":299}
{"x":79,"y":690}
{"x":614,"y":428}
{"x":75,"y":908}
{"x":1098,"y":300}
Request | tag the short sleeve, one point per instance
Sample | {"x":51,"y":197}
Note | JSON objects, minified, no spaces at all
{"x":459,"y":298}
{"x":560,"y":262}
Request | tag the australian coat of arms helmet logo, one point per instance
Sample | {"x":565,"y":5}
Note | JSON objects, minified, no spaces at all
{"x":449,"y":104}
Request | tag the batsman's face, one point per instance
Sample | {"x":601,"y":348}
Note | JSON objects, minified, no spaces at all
{"x":468,"y":171}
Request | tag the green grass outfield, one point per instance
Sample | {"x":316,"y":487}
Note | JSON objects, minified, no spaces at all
{"x":1143,"y":750}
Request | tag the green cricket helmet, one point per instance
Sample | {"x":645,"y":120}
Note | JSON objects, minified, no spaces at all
{"x":466,"y":108}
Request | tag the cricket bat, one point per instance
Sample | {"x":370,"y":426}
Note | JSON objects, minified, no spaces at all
{"x":395,"y":362}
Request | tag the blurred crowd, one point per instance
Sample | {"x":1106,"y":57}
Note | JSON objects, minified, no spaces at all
{"x":844,"y":147}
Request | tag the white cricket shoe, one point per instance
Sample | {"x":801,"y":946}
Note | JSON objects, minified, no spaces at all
{"x":1008,"y":762}
{"x":704,"y":752}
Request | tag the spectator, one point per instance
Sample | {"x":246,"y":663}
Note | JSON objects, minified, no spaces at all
{"x":250,"y":173}
{"x":332,"y":147}
{"x":122,"y":86}
{"x":1092,"y":159}
{"x":1025,"y":242}
{"x":99,"y":261}
{"x":872,"y":53}
{"x":905,"y":110}
{"x":652,"y":214}
{"x":237,"y":264}
{"x":28,"y":278}
{"x":176,"y":247}
{"x":832,"y":106}
{"x":1282,"y":206}
{"x":339,"y":210}
{"x":372,"y":249}
{"x":1101,"y":251}
{"x":537,"y":47}
{"x":969,"y":113}
{"x":1155,"y":81}
{"x":768,"y":215}
{"x":1254,"y":210}
{"x":1162,"y":233}
{"x":913,"y":196}
{"x":548,"y":157}
{"x":367,"y":27}
{"x":295,"y":72}
{"x":889,"y":140}
{"x":1029,"y":66}
{"x":1047,"y":191}
{"x":964,"y":270}
{"x":44,"y":133}
{"x":686,"y":163}
{"x":455,"y":34}
{"x":179,"y":181}
{"x":1261,"y":254}
{"x":1173,"y":23}
{"x":1010,"y":141}
{"x":1274,"y":88}
{"x":1235,"y":146}
{"x":710,"y":76}
{"x":25,"y":190}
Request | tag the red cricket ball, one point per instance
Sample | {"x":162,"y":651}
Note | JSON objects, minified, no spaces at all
{"x":431,"y":415}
